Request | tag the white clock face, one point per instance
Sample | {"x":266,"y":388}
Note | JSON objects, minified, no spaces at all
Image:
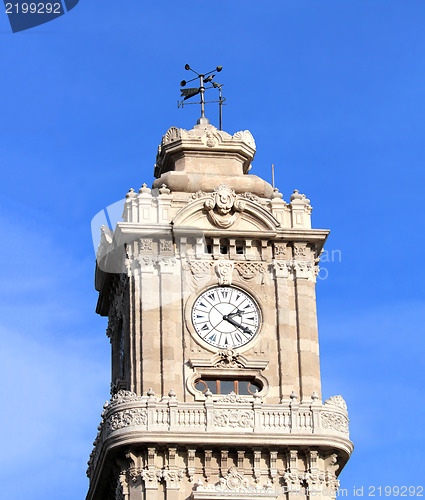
{"x":225,"y":317}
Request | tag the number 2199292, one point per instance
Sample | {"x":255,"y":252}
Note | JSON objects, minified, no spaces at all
{"x":33,"y":8}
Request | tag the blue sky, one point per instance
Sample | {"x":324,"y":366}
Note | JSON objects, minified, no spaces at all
{"x":333,"y":92}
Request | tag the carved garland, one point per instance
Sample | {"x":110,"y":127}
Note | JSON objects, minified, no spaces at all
{"x":236,"y":418}
{"x":126,"y":418}
{"x":336,"y":422}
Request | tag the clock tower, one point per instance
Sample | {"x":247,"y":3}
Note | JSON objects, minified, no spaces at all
{"x":209,"y":287}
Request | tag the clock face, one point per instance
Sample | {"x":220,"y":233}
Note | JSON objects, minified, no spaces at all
{"x":225,"y":317}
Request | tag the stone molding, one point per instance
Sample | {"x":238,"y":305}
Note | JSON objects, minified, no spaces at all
{"x":127,"y":412}
{"x":299,"y":269}
{"x":203,"y":139}
{"x":228,"y":358}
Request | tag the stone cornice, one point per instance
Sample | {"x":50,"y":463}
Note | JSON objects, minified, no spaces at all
{"x":130,"y":419}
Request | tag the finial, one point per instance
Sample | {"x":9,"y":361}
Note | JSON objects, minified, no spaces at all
{"x":314,"y":396}
{"x":296,"y":195}
{"x":164,"y":189}
{"x":293,"y":396}
{"x":144,"y":189}
{"x":276,"y":194}
{"x":191,"y":92}
{"x":172,"y":393}
{"x":131,"y":193}
{"x":150,"y":392}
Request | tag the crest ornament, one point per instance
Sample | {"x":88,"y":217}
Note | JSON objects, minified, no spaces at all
{"x":229,"y":359}
{"x":223,"y":206}
{"x":224,"y":271}
{"x":232,"y":398}
{"x":233,"y":481}
{"x":337,"y":401}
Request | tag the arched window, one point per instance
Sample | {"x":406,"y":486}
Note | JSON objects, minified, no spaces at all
{"x":243,"y":387}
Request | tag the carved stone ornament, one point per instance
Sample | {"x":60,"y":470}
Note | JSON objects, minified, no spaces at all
{"x":337,"y":401}
{"x":223,"y":205}
{"x":145,"y":244}
{"x":197,"y":274}
{"x":233,"y":481}
{"x":211,"y":139}
{"x":199,"y":269}
{"x":245,"y":136}
{"x":249,"y":271}
{"x":121,"y":397}
{"x":235,"y":418}
{"x":134,"y":473}
{"x":173,"y":134}
{"x":232,"y":398}
{"x":172,"y":478}
{"x":166,"y":246}
{"x":116,"y":306}
{"x":204,"y":137}
{"x":150,"y":477}
{"x":314,"y":480}
{"x":334,"y":421}
{"x":283,"y":268}
{"x":228,"y":359}
{"x":224,"y":271}
{"x":146,"y":263}
{"x":251,"y":196}
{"x":119,"y":491}
{"x":300,"y":250}
{"x":292,"y":480}
{"x":126,"y":418}
{"x":280,"y":251}
{"x":166,"y":264}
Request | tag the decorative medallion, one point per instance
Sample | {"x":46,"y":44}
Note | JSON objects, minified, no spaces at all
{"x":223,"y":205}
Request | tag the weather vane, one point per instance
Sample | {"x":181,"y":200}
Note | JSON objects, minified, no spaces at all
{"x":191,"y":92}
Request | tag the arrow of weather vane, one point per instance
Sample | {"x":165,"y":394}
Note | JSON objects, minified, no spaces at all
{"x":191,"y":92}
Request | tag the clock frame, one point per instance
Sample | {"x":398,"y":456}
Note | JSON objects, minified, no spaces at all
{"x":225,"y":317}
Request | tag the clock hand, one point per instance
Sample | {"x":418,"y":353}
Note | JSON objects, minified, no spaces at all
{"x":237,"y":313}
{"x":235,"y":323}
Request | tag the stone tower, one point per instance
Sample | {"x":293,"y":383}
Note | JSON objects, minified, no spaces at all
{"x":209,"y":286}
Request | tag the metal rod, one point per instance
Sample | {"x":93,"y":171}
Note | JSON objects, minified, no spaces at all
{"x":202,"y":90}
{"x":273,"y":174}
{"x":219,"y":107}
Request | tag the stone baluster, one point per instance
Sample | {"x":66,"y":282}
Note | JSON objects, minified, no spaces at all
{"x":172,"y":408}
{"x":294,"y":407}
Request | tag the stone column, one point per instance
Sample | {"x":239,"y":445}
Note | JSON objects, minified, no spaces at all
{"x":150,"y":475}
{"x":171,"y":326}
{"x":150,"y":342}
{"x":286,"y":322}
{"x":308,"y":339}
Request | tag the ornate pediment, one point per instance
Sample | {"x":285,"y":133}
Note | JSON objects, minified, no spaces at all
{"x":224,"y":209}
